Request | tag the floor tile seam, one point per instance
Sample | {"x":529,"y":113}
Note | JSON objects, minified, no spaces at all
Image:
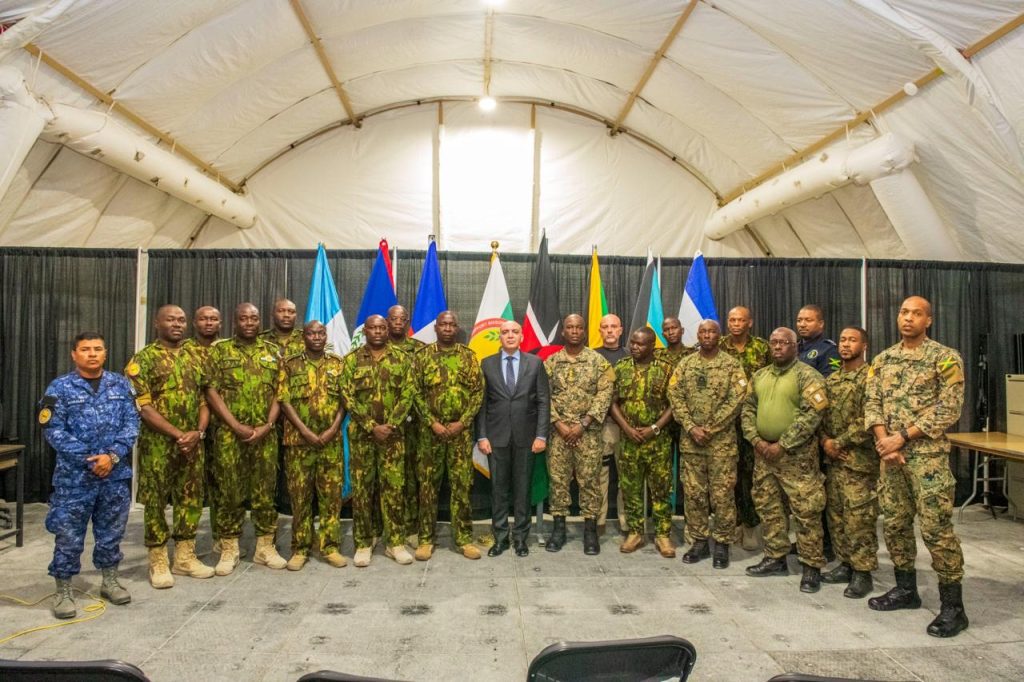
{"x":885,"y":652}
{"x":522,"y":620}
{"x":192,"y":617}
{"x":772,"y":653}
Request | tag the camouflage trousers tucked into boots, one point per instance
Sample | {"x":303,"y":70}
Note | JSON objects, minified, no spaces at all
{"x":796,"y":476}
{"x":315,"y":471}
{"x":709,"y":483}
{"x":582,"y":462}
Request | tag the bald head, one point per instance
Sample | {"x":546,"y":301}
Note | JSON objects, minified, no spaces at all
{"x":398,"y":323}
{"x":285,"y":315}
{"x":206,"y":321}
{"x":247,"y":321}
{"x":170,"y":324}
{"x":739,"y":323}
{"x":915,"y":318}
{"x":782,"y":344}
{"x":610,"y":328}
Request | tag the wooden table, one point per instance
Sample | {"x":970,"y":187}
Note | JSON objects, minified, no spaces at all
{"x":14,"y":456}
{"x":984,"y":445}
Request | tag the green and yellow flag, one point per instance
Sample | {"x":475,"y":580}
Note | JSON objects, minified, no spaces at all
{"x":597,"y":304}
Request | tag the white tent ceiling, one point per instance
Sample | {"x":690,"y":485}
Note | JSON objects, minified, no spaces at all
{"x":744,"y":85}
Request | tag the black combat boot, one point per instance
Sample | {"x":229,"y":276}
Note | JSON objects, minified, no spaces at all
{"x":860,"y":585}
{"x":903,"y":596}
{"x":840,"y":575}
{"x":591,"y":545}
{"x":556,"y":540}
{"x":721,"y":556}
{"x":768,"y":566}
{"x":811,"y":580}
{"x":952,"y":619}
{"x":698,"y":550}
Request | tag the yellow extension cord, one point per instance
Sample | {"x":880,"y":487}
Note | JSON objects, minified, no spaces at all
{"x":96,"y":609}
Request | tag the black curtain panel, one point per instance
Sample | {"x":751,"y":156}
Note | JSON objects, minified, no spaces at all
{"x":50,"y":295}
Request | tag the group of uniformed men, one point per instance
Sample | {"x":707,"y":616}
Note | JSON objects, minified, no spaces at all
{"x":747,"y":416}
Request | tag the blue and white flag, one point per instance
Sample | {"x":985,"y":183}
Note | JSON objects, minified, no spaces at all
{"x":324,"y":306}
{"x":379,"y":294}
{"x":698,"y":302}
{"x":430,"y":298}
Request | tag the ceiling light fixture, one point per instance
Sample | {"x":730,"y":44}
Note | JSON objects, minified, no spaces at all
{"x":487,"y":103}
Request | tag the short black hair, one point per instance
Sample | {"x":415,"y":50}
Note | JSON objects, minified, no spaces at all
{"x":860,"y":330}
{"x":814,"y":308}
{"x":87,"y":336}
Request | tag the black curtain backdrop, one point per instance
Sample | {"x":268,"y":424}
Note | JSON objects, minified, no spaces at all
{"x":50,"y":295}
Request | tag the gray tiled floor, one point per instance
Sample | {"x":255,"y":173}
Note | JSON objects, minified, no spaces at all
{"x":452,"y":619}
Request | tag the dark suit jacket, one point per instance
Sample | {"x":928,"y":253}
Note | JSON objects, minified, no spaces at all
{"x":517,"y":419}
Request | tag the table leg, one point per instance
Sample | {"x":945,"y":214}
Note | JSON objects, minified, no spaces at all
{"x":19,"y":515}
{"x":977,"y":460}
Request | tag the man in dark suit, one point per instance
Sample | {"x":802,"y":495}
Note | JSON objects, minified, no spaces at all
{"x":511,"y":428}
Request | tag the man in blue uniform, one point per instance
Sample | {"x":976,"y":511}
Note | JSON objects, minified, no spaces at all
{"x":814,"y":349}
{"x":89,"y":417}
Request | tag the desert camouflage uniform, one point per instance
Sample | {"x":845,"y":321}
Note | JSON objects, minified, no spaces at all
{"x":172,"y":382}
{"x":851,"y":485}
{"x":708,"y":392}
{"x":785,"y":406}
{"x":313,"y":389}
{"x":580,"y":385}
{"x":449,"y":389}
{"x":755,"y":355}
{"x":245,"y":376}
{"x":377,"y":392}
{"x":641,"y":392}
{"x":922,"y":387}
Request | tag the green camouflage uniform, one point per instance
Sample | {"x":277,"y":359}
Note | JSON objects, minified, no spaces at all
{"x":245,"y":376}
{"x":313,"y":389}
{"x":449,"y":388}
{"x":673,"y":356}
{"x":580,"y":385}
{"x":641,"y":392}
{"x":410,"y":347}
{"x":785,"y":406}
{"x":851,"y":485}
{"x":289,"y":345}
{"x":172,"y":382}
{"x":755,"y":355}
{"x":210,"y":493}
{"x":922,"y":387}
{"x":377,"y":392}
{"x":708,"y":392}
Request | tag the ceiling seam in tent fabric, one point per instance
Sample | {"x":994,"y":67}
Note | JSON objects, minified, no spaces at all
{"x":853,"y":225}
{"x":675,"y":158}
{"x":488,"y":49}
{"x":325,"y":61}
{"x":24,"y":198}
{"x":651,"y":66}
{"x":755,"y":235}
{"x":134,"y":118}
{"x":796,"y":235}
{"x":867,"y":114}
{"x":122,"y":180}
{"x":194,"y":235}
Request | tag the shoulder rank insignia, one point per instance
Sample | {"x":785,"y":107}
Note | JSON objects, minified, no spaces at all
{"x":815,"y":395}
{"x":132,"y":369}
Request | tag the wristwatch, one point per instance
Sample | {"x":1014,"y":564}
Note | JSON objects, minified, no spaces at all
{"x":905,"y":435}
{"x":655,"y":428}
{"x":114,"y":459}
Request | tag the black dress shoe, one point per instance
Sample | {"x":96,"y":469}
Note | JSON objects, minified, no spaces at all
{"x":721,"y":556}
{"x":768,"y":566}
{"x":498,"y":548}
{"x":698,"y":550}
{"x":521,"y":548}
{"x":860,"y":585}
{"x":811,"y":580}
{"x":840,"y":575}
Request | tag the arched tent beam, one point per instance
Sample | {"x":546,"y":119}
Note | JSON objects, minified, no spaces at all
{"x":537,"y":101}
{"x":325,"y":61}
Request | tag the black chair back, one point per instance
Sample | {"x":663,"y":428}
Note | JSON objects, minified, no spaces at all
{"x":629,"y":660}
{"x":70,"y":671}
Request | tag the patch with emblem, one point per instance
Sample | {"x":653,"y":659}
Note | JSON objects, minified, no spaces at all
{"x":871,"y":371}
{"x":950,"y":370}
{"x":674,"y":380}
{"x":132,"y":369}
{"x":815,"y":395}
{"x":45,"y":415}
{"x":834,"y":363}
{"x":268,"y":358}
{"x":812,"y":354}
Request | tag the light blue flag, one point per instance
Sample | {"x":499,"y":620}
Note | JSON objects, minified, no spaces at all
{"x":324,"y":307}
{"x":430,"y":298}
{"x":698,"y":302}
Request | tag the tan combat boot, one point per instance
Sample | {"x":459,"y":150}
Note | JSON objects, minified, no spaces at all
{"x":266,"y":553}
{"x":159,"y":571}
{"x":470,"y":551}
{"x":228,"y":556}
{"x":424,"y":551}
{"x":665,"y":546}
{"x":336,"y":559}
{"x":363,"y":557}
{"x":632,"y":543}
{"x":187,"y":563}
{"x":297,"y":561}
{"x":399,"y":553}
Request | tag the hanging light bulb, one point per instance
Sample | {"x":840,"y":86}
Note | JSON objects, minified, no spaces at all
{"x":487,"y":103}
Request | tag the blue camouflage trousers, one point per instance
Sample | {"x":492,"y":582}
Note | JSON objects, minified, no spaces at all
{"x":107,"y":504}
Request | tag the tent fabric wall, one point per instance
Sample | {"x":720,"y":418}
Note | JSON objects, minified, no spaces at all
{"x":745,"y":84}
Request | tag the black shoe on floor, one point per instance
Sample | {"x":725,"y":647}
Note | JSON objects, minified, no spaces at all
{"x":952,"y":619}
{"x":903,"y":596}
{"x":521,"y":548}
{"x":840,"y":575}
{"x":557,"y":538}
{"x":698,"y":550}
{"x":591,"y":545}
{"x":860,"y":585}
{"x":721,"y":556}
{"x":811,"y":580}
{"x":768,"y":566}
{"x":498,"y":548}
